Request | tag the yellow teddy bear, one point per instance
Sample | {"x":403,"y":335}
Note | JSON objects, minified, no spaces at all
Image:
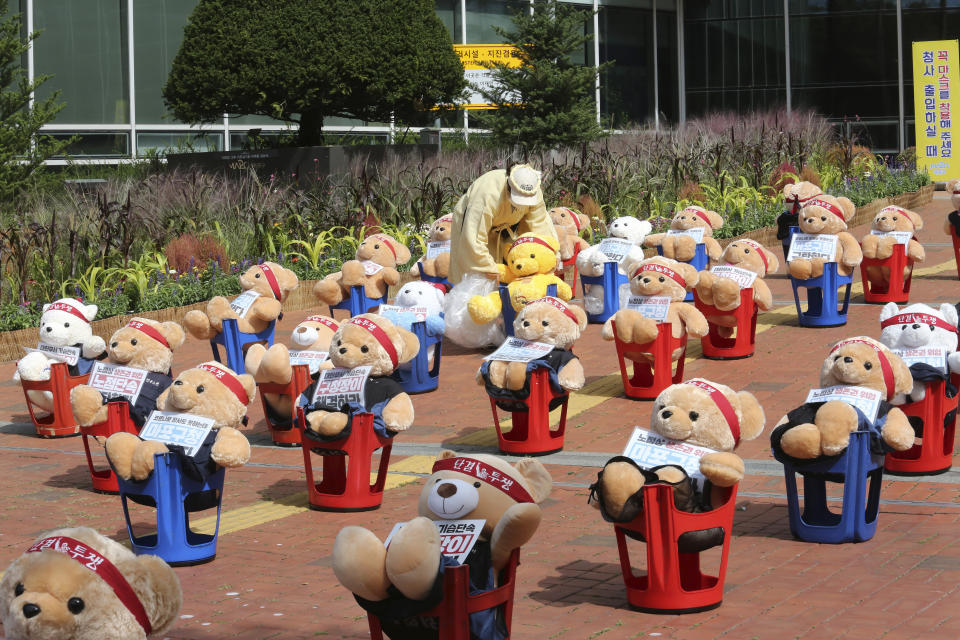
{"x":531,"y":263}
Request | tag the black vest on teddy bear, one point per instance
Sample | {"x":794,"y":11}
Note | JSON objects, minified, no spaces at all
{"x":376,"y":394}
{"x":154,"y":385}
{"x":509,"y":400}
{"x":83,"y":365}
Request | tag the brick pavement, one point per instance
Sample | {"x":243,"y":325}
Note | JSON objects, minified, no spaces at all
{"x":272,"y":576}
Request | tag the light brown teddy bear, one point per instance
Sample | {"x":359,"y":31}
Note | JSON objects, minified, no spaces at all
{"x":682,"y":247}
{"x":265,"y":287}
{"x":796,"y":195}
{"x":724,"y":293}
{"x":366,"y":340}
{"x":890,"y":219}
{"x":828,"y":215}
{"x":140,"y":344}
{"x":438,"y":267}
{"x":699,"y":412}
{"x":658,"y":276}
{"x":470,"y":487}
{"x":210,"y":390}
{"x":75,"y":583}
{"x":824,"y":428}
{"x":568,"y":225}
{"x":375,"y":269}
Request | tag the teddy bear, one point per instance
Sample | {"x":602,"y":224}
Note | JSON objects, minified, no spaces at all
{"x":918,"y":326}
{"x":265,"y":287}
{"x":827,"y":215}
{"x":874,"y":245}
{"x":569,"y":224}
{"x":367,"y":340}
{"x":531,"y":263}
{"x":697,"y":412}
{"x":426,"y":295}
{"x":439,"y":266}
{"x":823,"y":428}
{"x":76,"y":583}
{"x":591,"y":261}
{"x":397,"y":581}
{"x":795,"y":195}
{"x":659,"y":277}
{"x":724,"y":293}
{"x":375,"y":269}
{"x":209,"y":390}
{"x":65,"y":331}
{"x":683,"y":247}
{"x":550,"y":321}
{"x":140,"y":344}
{"x":952,"y":223}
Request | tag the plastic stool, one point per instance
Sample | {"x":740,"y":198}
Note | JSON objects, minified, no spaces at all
{"x":717,"y":347}
{"x":343,"y":487}
{"x":647,"y":382}
{"x":435,"y":279}
{"x":956,"y":247}
{"x":118,"y":420}
{"x":700,"y":261}
{"x":174,"y":495}
{"x":61,"y":422}
{"x":934,"y":454}
{"x":611,"y":280}
{"x":823,"y":303}
{"x":531,"y":434}
{"x":233,"y":341}
{"x":509,"y":315}
{"x":674,"y":582}
{"x":357,"y":302}
{"x":571,"y":262}
{"x":300,"y":379}
{"x":900,"y":273}
{"x":453,"y":612}
{"x":862,"y":475}
{"x":785,"y":243}
{"x":422,"y":377}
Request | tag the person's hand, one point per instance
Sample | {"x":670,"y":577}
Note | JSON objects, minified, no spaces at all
{"x":491,"y":276}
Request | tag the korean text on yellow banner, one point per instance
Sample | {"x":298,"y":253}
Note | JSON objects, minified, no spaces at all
{"x":936,"y":71}
{"x":475,"y":59}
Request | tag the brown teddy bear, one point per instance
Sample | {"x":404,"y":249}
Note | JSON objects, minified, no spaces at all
{"x":953,"y":218}
{"x":795,"y":196}
{"x":664,"y":277}
{"x":403,"y":579}
{"x":890,"y":219}
{"x":438,"y":267}
{"x":210,"y":390}
{"x":824,"y":428}
{"x":724,"y":293}
{"x":698,"y":412}
{"x":265,"y":287}
{"x":568,"y":225}
{"x":375,"y":269}
{"x":140,"y":344}
{"x":367,"y":340}
{"x":75,"y":583}
{"x":828,"y":215}
{"x":682,"y":247}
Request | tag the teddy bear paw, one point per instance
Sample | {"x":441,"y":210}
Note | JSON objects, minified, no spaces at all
{"x":516,"y":375}
{"x":722,"y":468}
{"x":802,"y":442}
{"x":328,"y":292}
{"x":413,"y":558}
{"x":198,"y":325}
{"x":801,"y":268}
{"x":836,"y":421}
{"x":231,"y":448}
{"x":483,"y":309}
{"x":327,"y":424}
{"x":359,"y":562}
{"x":898,"y":434}
{"x":141,"y":466}
{"x":352,"y":273}
{"x":275,"y":366}
{"x":618,"y":482}
{"x":87,"y":404}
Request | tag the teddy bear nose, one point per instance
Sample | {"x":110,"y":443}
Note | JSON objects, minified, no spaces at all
{"x":302,"y":330}
{"x":30,"y":610}
{"x":847,"y":359}
{"x":916,"y":326}
{"x":446,"y":490}
{"x":49,"y":329}
{"x":646,"y":280}
{"x":343,"y":349}
{"x":666,"y":413}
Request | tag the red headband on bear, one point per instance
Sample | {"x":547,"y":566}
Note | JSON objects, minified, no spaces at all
{"x":380,"y":236}
{"x":557,"y":304}
{"x":832,"y":208}
{"x":700,"y":214}
{"x":325,"y":321}
{"x":797,"y":200}
{"x":667,"y":271}
{"x":230,"y":381}
{"x":380,"y":335}
{"x":104,"y":569}
{"x":271,"y":279}
{"x":69,"y":308}
{"x":529,"y":239}
{"x":758,"y":248}
{"x":489,"y":474}
{"x":576,"y":219}
{"x":726,"y":409}
{"x":885,"y":367}
{"x":918,"y":318}
{"x":144,"y":328}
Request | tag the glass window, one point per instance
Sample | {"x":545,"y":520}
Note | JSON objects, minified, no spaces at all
{"x":178,"y":142}
{"x":84,"y":45}
{"x":843,"y":49}
{"x":157,"y":34}
{"x":449,"y":13}
{"x":484,"y":15}
{"x":96,"y":144}
{"x":836,"y":6}
{"x":626,"y":87}
{"x":667,"y":62}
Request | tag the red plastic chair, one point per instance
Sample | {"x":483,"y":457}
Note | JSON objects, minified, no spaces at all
{"x":956,"y":247}
{"x":299,"y":380}
{"x":901,"y":275}
{"x":345,"y":481}
{"x":572,"y":262}
{"x":674,"y":582}
{"x":934,"y":453}
{"x":531,"y":434}
{"x":61,"y":422}
{"x":717,"y":347}
{"x":453,"y":612}
{"x":648,"y":381}
{"x":118,"y":420}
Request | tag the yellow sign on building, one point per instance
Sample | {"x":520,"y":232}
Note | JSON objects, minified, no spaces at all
{"x":475,"y":58}
{"x":936,"y":78}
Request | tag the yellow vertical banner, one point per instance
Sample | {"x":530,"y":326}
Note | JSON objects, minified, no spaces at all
{"x":936,"y":71}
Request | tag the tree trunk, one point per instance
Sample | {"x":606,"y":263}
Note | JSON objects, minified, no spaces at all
{"x":311,"y":125}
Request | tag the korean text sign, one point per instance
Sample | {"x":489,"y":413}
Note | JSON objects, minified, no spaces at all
{"x":935,"y":80}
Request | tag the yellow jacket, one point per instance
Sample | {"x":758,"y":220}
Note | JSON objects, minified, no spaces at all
{"x":485,"y":224}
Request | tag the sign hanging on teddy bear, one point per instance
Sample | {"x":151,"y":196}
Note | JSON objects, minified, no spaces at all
{"x":902,"y":237}
{"x":181,"y":429}
{"x":337,"y":387}
{"x":696,"y":233}
{"x":457,"y":537}
{"x":520,"y":350}
{"x":312,"y":359}
{"x":742,"y":277}
{"x":242,"y":303}
{"x":867,"y":400}
{"x":114,"y":380}
{"x":615,"y":248}
{"x":420,"y":313}
{"x":936,"y":357}
{"x":810,"y":246}
{"x":70,"y":355}
{"x":649,"y":449}
{"x":434,"y":249}
{"x":656,"y":308}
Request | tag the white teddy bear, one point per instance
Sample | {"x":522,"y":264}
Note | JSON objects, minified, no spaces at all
{"x":917,"y":326}
{"x":590,"y":261}
{"x":427,"y":295}
{"x":65,"y":336}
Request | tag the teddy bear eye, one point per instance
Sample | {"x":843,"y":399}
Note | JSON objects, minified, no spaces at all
{"x":256,"y":275}
{"x":476,"y":484}
{"x":904,"y":328}
{"x":894,"y":219}
{"x":867,"y":366}
{"x":75,"y":605}
{"x":134,"y":342}
{"x":694,"y":415}
{"x":746,"y":250}
{"x":178,"y":383}
{"x":18,"y":590}
{"x":66,"y":324}
{"x":376,"y":246}
{"x":364,"y":348}
{"x":199,"y":388}
{"x":824,"y":218}
{"x":532,"y":255}
{"x":932,"y":328}
{"x":545,"y":323}
{"x":661,"y":279}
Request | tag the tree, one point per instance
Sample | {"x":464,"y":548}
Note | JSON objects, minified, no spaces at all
{"x":309,"y":60}
{"x":548,"y":101}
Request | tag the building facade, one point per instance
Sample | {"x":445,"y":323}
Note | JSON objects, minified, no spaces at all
{"x":673,"y":60}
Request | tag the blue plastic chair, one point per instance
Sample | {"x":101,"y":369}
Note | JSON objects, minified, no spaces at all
{"x":785,"y":243}
{"x":435,"y":279}
{"x":422,"y":377}
{"x":862,"y":474}
{"x":823,"y":304}
{"x":509,"y":315}
{"x":357,"y":302}
{"x":233,"y":341}
{"x":699,"y":262}
{"x":611,"y":280}
{"x":174,"y":495}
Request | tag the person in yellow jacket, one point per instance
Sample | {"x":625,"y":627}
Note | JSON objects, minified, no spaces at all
{"x":499,"y":206}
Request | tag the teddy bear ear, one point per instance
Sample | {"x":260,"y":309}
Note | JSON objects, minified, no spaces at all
{"x":173,"y":333}
{"x":249,"y":385}
{"x":645,"y":227}
{"x":584,"y":221}
{"x":949,"y":313}
{"x":715,"y":220}
{"x":631,"y":265}
{"x":288,"y":279}
{"x":849,"y":209}
{"x":537,"y":477}
{"x":889,"y":310}
{"x":403,"y":252}
{"x":690,"y":274}
{"x":446,"y":454}
{"x":581,"y":316}
{"x":773,"y":263}
{"x":915,"y":219}
{"x":752,"y":417}
{"x":89,"y":311}
{"x":411,"y":345}
{"x":157,"y":587}
{"x":788,"y":190}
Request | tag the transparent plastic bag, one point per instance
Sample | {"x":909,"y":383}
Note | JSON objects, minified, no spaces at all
{"x":460,"y":326}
